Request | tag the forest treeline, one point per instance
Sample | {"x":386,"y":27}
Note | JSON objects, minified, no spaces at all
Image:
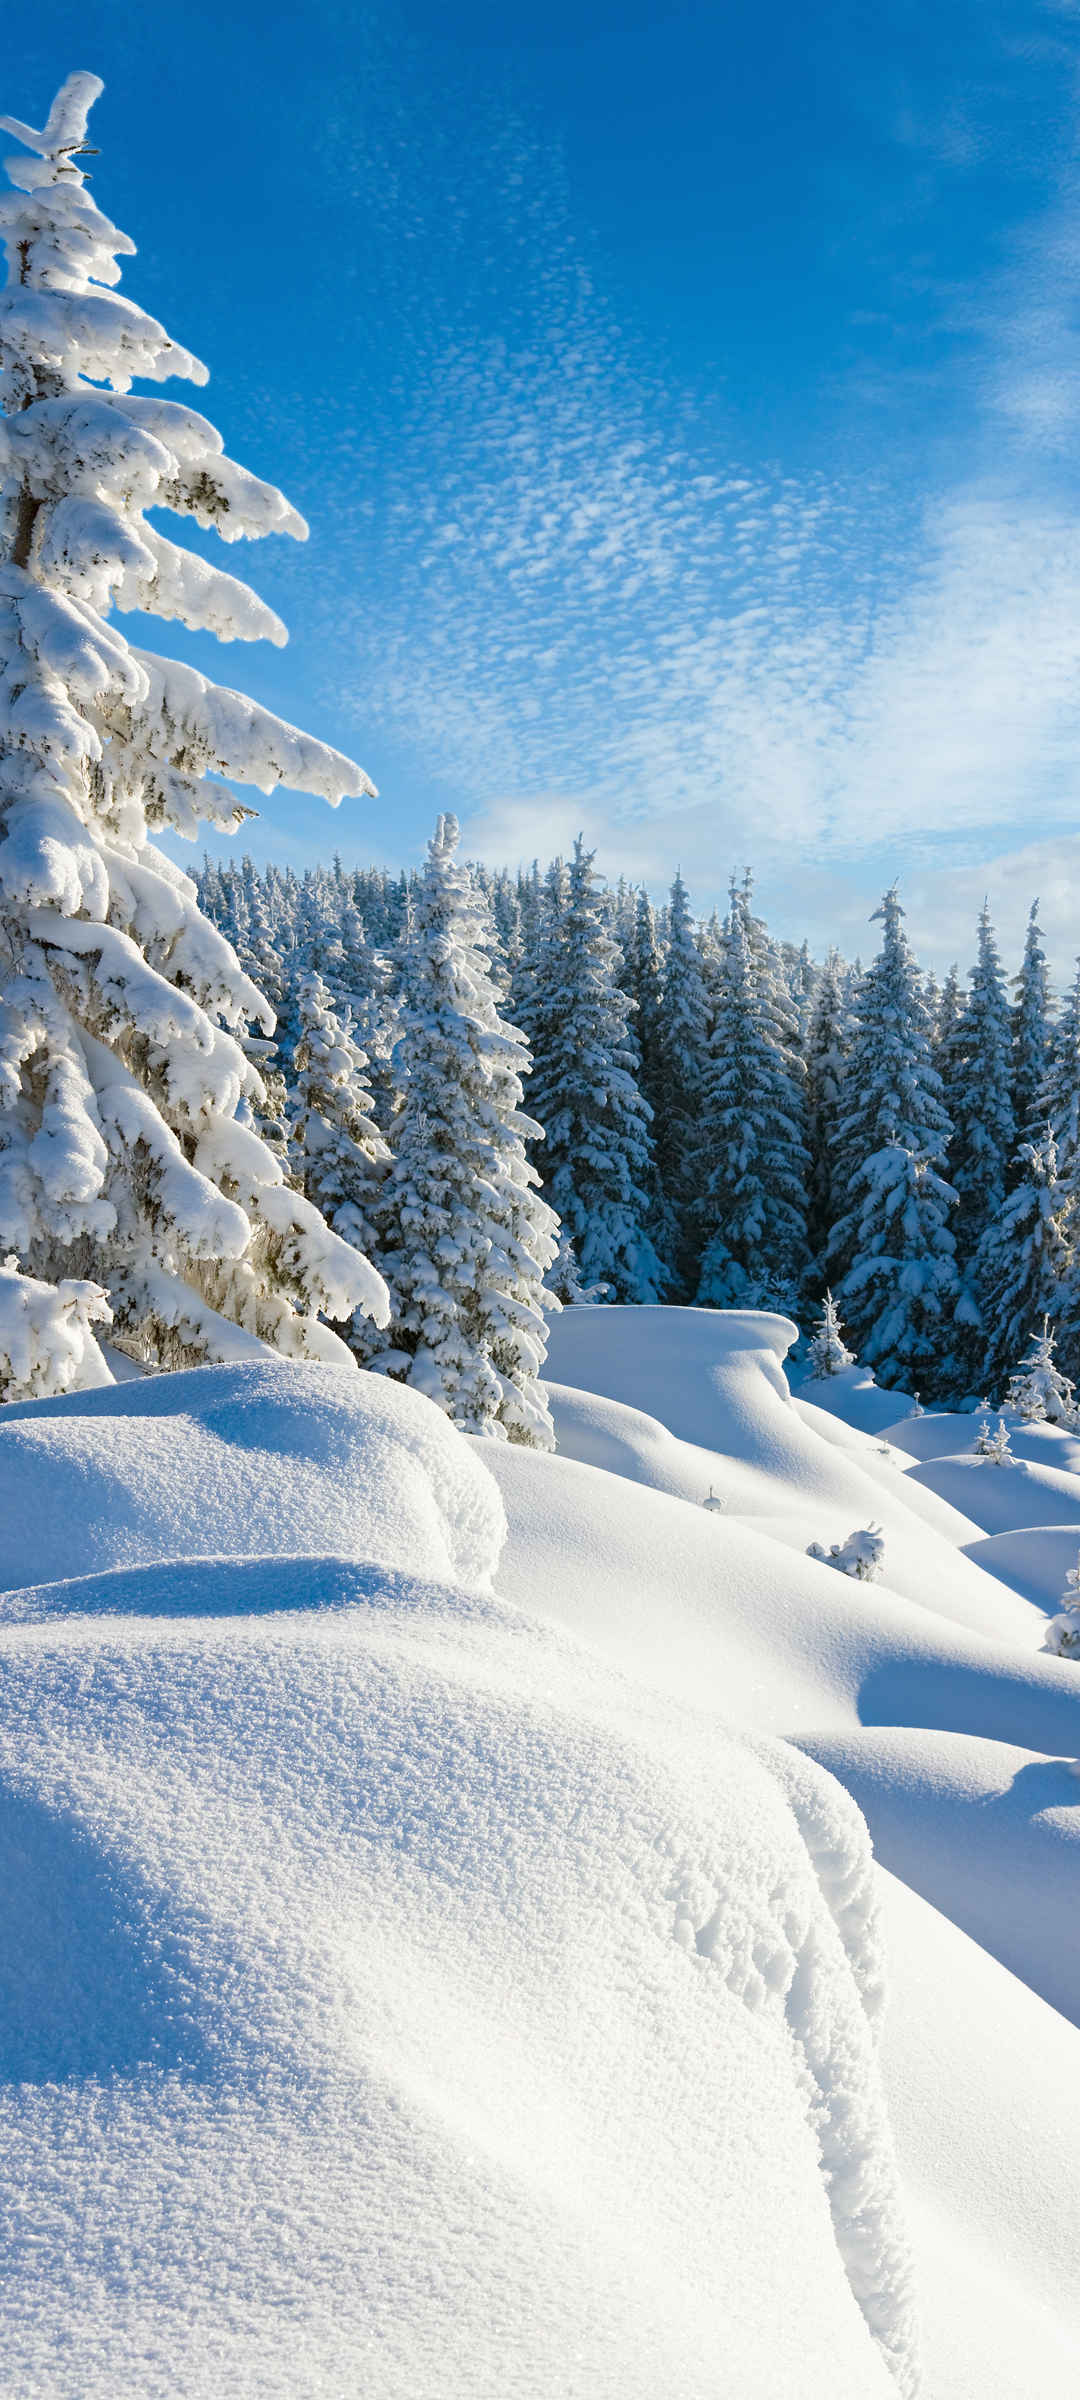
{"x":718,"y":1117}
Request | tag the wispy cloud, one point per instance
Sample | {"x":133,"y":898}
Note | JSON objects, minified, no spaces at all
{"x":583,"y":593}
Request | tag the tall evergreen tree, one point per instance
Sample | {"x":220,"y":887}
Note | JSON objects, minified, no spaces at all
{"x":932,"y":1001}
{"x":828,"y":1048}
{"x":597,"y":1160}
{"x":1030,"y":1031}
{"x":945,"y":1031}
{"x":122,"y":1153}
{"x":336,"y":1149}
{"x":684,"y":1044}
{"x":465,"y":1237}
{"x":750,"y":1157}
{"x":1023,"y":1262}
{"x":980,"y":1098}
{"x":1059,"y":1094}
{"x":645,"y":987}
{"x":893,"y":1245}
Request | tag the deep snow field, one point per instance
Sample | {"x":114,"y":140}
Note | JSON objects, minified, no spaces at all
{"x":442,"y":1955}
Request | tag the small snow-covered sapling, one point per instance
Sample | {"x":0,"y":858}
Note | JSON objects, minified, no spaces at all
{"x":827,"y":1353}
{"x":995,"y":1447}
{"x":1063,"y":1632}
{"x":1038,"y":1391}
{"x":862,"y":1555}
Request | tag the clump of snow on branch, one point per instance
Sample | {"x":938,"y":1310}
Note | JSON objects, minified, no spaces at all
{"x":46,"y":1342}
{"x":123,"y":1083}
{"x":861,"y":1555}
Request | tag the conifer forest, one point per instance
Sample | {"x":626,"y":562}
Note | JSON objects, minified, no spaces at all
{"x":715,"y":1117}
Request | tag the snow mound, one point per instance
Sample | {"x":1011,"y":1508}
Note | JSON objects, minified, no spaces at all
{"x":713,"y":1376}
{"x":952,"y":1434}
{"x":1000,"y":1499}
{"x":710,"y":1611}
{"x":958,"y":1739}
{"x":987,"y":1832}
{"x":738,"y":1432}
{"x":1035,"y":1560}
{"x":394,"y":1995}
{"x":252,"y":1460}
{"x":853,"y":1397}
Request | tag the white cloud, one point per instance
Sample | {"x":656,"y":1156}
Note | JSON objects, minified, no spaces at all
{"x":580,"y":595}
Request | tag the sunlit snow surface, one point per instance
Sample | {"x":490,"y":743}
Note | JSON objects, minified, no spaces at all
{"x":425,"y":1971}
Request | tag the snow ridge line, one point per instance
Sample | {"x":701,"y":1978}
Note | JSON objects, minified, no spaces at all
{"x":864,"y":2198}
{"x":794,"y":1959}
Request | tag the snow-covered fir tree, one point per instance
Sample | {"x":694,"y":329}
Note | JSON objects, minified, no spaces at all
{"x":783,"y":1016}
{"x":597,"y":1161}
{"x":374,"y":1009}
{"x":946,"y":1034}
{"x":123,"y":1158}
{"x":1023,"y":1259}
{"x":1030,"y":1031}
{"x":336,"y":1149}
{"x":827,"y":1352}
{"x":979,"y":1097}
{"x":1059,"y":1106}
{"x":945,"y":1029}
{"x":750,"y":1160}
{"x":1038,"y":1391}
{"x":828,"y":1047}
{"x":802,"y":979}
{"x":1059,"y":1095}
{"x":893,"y":1245}
{"x":684,"y":1042}
{"x":535,"y":995}
{"x":644,"y":980}
{"x":465,"y":1238}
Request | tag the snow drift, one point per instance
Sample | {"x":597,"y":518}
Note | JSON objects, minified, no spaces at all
{"x":443,"y":1956}
{"x":395,"y":1994}
{"x":242,"y":1461}
{"x":928,"y":1694}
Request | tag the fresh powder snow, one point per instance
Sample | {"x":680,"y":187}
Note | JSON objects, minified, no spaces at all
{"x":398,"y":1994}
{"x":445,"y":1953}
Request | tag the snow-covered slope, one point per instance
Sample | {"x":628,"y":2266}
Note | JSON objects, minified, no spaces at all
{"x":447,"y":1964}
{"x":731,"y":1427}
{"x":396,"y":1997}
{"x":959,"y":1744}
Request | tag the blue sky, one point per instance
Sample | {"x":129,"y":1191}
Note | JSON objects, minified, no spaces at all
{"x":685,"y":404}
